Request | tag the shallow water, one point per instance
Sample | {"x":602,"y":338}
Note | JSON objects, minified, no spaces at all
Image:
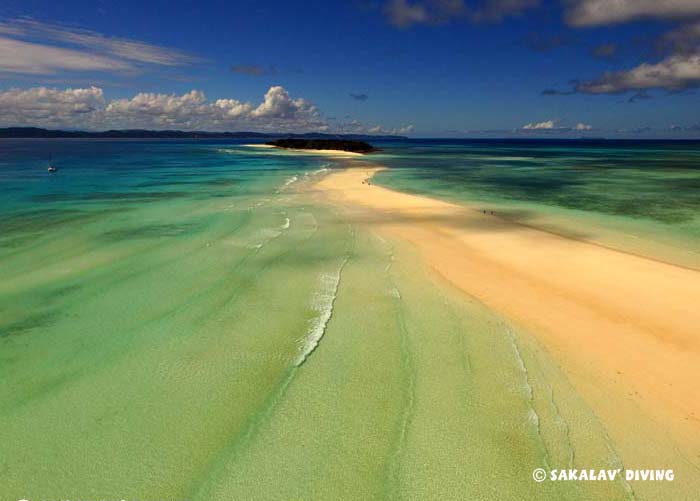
{"x":638,"y":196}
{"x":187,"y":320}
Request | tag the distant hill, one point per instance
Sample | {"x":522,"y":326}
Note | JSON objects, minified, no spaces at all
{"x":324,"y":144}
{"x":35,"y":132}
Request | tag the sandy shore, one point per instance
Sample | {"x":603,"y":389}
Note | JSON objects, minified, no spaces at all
{"x":624,"y":328}
{"x":332,"y":153}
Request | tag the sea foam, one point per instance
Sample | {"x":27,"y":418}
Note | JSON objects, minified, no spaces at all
{"x":323,"y":302}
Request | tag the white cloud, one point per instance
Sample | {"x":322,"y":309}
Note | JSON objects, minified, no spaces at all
{"x":87,"y":109}
{"x":123,"y":48}
{"x":547,"y":125}
{"x":680,"y":69}
{"x":232,"y":108}
{"x":673,"y":73}
{"x":162,"y":111}
{"x":31,"y":47}
{"x":278,"y":104}
{"x":554,"y":126}
{"x":17,"y":56}
{"x":600,"y":12}
{"x":278,"y":111}
{"x":50,"y":107}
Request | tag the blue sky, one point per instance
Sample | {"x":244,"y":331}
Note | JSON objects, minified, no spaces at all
{"x":615,"y":68}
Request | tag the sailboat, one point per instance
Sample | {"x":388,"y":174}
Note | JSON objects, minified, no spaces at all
{"x":51,"y":167}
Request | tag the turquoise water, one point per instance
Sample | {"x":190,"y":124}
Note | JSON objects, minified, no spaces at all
{"x":188,"y":320}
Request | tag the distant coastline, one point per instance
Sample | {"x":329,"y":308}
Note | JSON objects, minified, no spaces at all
{"x":41,"y":133}
{"x":36,"y":132}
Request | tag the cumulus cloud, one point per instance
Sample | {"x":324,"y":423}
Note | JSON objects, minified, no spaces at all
{"x":279,"y":105}
{"x":675,"y":72}
{"x":189,"y":110}
{"x":87,"y":108}
{"x":406,"y":13}
{"x":553,"y":126}
{"x":32,"y":47}
{"x":547,"y":125}
{"x":601,"y":12}
{"x":233,"y":108}
{"x":50,"y":106}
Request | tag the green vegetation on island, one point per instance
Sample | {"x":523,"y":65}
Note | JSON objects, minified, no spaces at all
{"x":324,"y":144}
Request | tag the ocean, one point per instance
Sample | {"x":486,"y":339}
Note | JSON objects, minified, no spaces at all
{"x":640,"y":196}
{"x":190,"y":320}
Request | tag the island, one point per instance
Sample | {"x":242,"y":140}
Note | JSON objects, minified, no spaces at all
{"x":324,"y":144}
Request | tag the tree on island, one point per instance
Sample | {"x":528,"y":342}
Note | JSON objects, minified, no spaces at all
{"x":324,"y":144}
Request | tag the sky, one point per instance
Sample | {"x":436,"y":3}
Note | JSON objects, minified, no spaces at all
{"x":423,"y":68}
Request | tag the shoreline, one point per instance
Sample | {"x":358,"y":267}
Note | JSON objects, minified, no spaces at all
{"x":333,"y":153}
{"x":659,"y":257}
{"x":620,"y":325}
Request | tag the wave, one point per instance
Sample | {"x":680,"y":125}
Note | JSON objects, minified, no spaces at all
{"x":323,"y":303}
{"x":290,"y":180}
{"x":323,"y":168}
